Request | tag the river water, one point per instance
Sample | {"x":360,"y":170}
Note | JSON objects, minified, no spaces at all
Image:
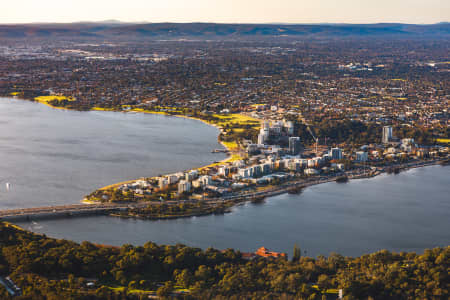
{"x":53,"y":157}
{"x":409,"y":211}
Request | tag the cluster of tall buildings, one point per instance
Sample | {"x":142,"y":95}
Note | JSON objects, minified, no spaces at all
{"x":193,"y":180}
{"x":272,"y":164}
{"x":255,"y":171}
{"x":186,"y":181}
{"x":273,"y":131}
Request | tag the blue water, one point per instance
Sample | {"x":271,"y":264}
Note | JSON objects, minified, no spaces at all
{"x":55,"y":157}
{"x":405,"y":212}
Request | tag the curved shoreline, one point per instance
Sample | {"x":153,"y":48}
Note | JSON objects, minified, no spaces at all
{"x":291,"y":185}
{"x":138,"y":110}
{"x":225,"y":160}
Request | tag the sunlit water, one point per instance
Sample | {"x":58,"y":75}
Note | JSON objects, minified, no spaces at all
{"x":54,"y":157}
{"x":405,"y":212}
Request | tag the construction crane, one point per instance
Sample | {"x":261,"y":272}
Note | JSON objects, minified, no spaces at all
{"x":314,"y":137}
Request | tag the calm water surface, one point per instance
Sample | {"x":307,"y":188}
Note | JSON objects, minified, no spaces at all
{"x":405,"y":212}
{"x":55,"y":157}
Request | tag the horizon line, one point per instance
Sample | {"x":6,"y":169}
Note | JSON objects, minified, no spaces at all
{"x":118,"y":22}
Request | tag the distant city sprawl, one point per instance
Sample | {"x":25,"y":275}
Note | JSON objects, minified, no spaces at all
{"x":373,"y":81}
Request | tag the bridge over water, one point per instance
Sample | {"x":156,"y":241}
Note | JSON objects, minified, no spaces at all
{"x":61,"y":211}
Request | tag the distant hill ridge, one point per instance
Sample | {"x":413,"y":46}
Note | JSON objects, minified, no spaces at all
{"x":115,"y":29}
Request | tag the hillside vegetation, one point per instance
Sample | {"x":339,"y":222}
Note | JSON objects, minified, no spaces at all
{"x":47,"y":268}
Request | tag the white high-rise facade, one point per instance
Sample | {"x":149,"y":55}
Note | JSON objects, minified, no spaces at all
{"x":387,"y":134}
{"x":184,"y":186}
{"x":263,"y":135}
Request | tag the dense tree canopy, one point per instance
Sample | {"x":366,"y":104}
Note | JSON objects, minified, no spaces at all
{"x":46,"y":268}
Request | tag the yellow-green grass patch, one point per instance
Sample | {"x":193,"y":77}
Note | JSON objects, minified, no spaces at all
{"x":46,"y":99}
{"x":231,"y":145}
{"x":102,"y":109}
{"x":447,"y":141}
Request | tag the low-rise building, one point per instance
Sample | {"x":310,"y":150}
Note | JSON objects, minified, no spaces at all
{"x":163,"y":183}
{"x":310,"y":171}
{"x":264,"y":252}
{"x":336,"y":153}
{"x":224,"y":171}
{"x":191,"y":175}
{"x":362,"y":156}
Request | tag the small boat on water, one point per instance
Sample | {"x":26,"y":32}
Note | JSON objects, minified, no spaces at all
{"x":295,"y":191}
{"x":35,"y":225}
{"x":220,"y":151}
{"x":342,"y":179}
{"x":445,"y":162}
{"x":394,"y":170}
{"x":257,"y":200}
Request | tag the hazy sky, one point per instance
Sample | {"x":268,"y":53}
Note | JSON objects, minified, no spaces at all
{"x":226,"y":11}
